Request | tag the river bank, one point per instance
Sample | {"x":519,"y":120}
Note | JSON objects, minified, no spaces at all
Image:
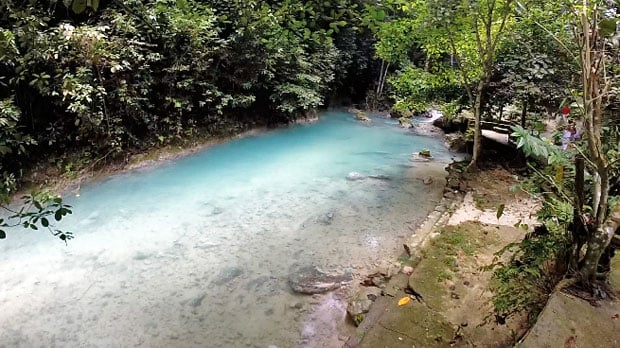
{"x":51,"y":178}
{"x":446,"y":272}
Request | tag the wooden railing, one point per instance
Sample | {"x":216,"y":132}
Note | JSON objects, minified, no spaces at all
{"x":502,"y":127}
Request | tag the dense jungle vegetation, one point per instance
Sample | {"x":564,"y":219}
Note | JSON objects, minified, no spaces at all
{"x":86,"y":81}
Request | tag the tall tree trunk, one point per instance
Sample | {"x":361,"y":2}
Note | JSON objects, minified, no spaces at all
{"x":380,"y":77}
{"x":524,"y":112}
{"x":383,"y":78}
{"x":477,"y":130}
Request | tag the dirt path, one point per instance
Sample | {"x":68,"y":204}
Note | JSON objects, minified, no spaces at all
{"x":571,"y":322}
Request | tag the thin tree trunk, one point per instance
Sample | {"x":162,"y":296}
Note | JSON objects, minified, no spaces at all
{"x":382,"y":83}
{"x":597,"y":244}
{"x":380,"y":77}
{"x":105,"y":108}
{"x":477,"y":131}
{"x":524,"y":112}
{"x":579,"y":232}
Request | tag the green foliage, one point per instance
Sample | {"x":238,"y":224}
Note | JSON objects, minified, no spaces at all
{"x":535,"y":147}
{"x":526,"y":272}
{"x":38,"y":211}
{"x":13,"y":145}
{"x":136,"y":73}
{"x":85,"y":81}
{"x":415,"y":89}
{"x":450,"y":110}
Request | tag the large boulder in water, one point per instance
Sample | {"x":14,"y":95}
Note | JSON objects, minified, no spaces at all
{"x":405,"y":122}
{"x":311,"y":280}
{"x":361,"y":116}
{"x":451,"y":125}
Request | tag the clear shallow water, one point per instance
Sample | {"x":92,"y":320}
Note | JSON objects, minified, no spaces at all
{"x":197,"y":252}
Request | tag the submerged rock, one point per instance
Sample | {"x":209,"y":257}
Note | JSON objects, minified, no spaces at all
{"x":380,"y":177}
{"x":310,"y":280}
{"x":326,"y":219}
{"x":353,"y":176}
{"x":227,"y":275}
{"x":361,"y":116}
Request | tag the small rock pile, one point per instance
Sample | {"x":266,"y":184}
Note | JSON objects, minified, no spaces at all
{"x":374,"y":285}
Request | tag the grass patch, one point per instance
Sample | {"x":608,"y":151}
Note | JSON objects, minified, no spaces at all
{"x":439,"y":260}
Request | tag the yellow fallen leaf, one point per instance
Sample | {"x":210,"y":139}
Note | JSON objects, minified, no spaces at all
{"x":403,"y":301}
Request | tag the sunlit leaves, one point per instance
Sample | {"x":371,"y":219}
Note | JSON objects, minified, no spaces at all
{"x":533,"y":146}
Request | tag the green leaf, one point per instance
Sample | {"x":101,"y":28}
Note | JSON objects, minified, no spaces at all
{"x":44,"y":222}
{"x":58,"y":215}
{"x":380,"y":15}
{"x":500,"y":211}
{"x":2,"y":234}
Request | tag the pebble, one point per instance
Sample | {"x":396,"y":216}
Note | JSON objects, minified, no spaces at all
{"x":464,"y":324}
{"x":407,"y":270}
{"x":297,"y":305}
{"x":454,"y":296}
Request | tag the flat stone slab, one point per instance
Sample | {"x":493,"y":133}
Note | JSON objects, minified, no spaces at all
{"x":311,"y":280}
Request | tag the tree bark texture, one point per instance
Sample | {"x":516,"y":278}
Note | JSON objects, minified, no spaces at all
{"x":595,"y":87}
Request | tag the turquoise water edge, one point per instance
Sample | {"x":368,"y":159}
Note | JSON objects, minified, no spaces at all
{"x":196,"y":252}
